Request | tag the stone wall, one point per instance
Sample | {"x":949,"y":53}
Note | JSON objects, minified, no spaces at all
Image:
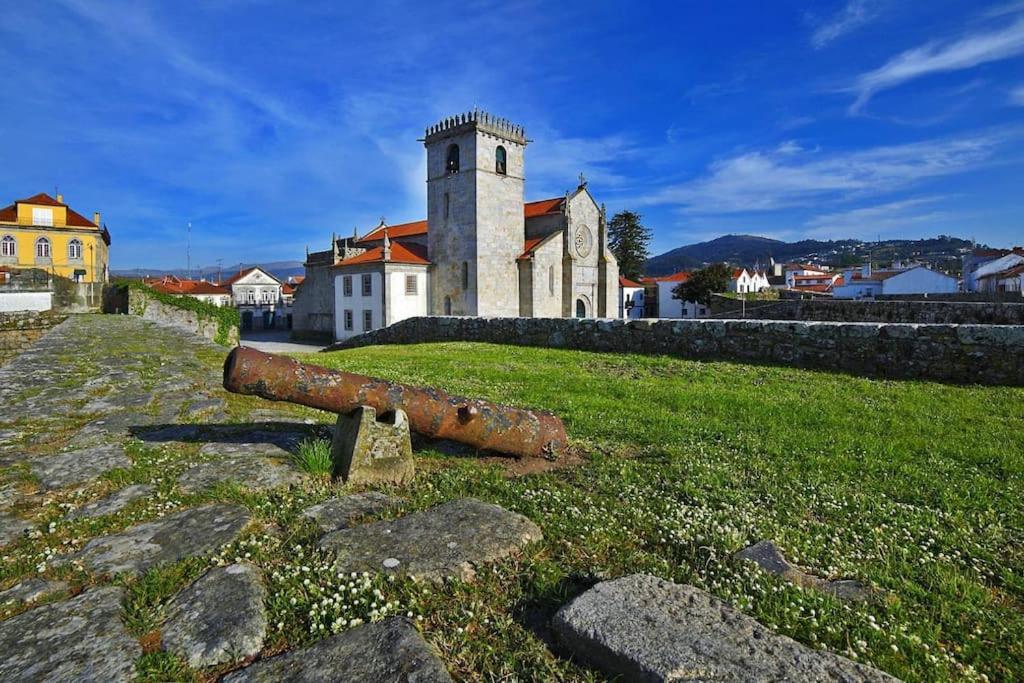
{"x":151,"y":309}
{"x":889,"y":311}
{"x":984,"y":354}
{"x":20,"y":329}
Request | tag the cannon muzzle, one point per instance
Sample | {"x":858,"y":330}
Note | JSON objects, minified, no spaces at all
{"x":431,"y":412}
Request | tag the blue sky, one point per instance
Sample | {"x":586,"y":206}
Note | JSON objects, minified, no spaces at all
{"x":269,"y":125}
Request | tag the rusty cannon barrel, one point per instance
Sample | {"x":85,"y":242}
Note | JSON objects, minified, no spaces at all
{"x":432,"y":412}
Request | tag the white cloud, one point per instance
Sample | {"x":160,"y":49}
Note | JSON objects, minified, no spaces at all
{"x":787,"y":178}
{"x":1017,"y":96}
{"x":936,"y":57}
{"x":867,"y":222}
{"x":853,"y":15}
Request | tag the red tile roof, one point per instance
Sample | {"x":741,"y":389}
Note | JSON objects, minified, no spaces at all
{"x":10,"y":213}
{"x":626,"y":282}
{"x":172,"y":284}
{"x":412,"y":254}
{"x":532,"y":243}
{"x":681,"y":276}
{"x":203,"y":287}
{"x":541,"y":207}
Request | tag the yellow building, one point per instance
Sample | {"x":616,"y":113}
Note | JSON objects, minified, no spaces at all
{"x":43,"y":232}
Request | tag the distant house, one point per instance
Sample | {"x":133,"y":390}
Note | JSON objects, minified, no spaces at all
{"x":1003,"y":281}
{"x":745,"y":281}
{"x":631,"y":298}
{"x":822,"y":283}
{"x":258,"y":297}
{"x":868,"y":284}
{"x":983,"y":263}
{"x":795,"y":270}
{"x":197,"y":289}
{"x":659,"y":289}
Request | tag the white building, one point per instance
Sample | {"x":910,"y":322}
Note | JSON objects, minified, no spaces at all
{"x":981,"y":263}
{"x":745,"y":281}
{"x":868,"y":284}
{"x":795,"y":270}
{"x":257,"y":296}
{"x":669,"y":307}
{"x":996,"y":275}
{"x":631,"y":299}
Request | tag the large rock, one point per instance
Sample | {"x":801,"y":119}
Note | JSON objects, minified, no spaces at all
{"x":115,"y":502}
{"x":30,"y":590}
{"x":76,"y":467}
{"x":198,"y":531}
{"x":218,"y":619}
{"x":12,"y":527}
{"x":643,"y":628}
{"x":445,"y":541}
{"x":341,"y":512}
{"x":387,"y":652}
{"x":254,"y":473}
{"x":81,"y":639}
{"x":769,"y":558}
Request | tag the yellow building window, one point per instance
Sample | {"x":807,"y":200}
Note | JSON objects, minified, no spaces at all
{"x":75,"y":250}
{"x":8,"y":246}
{"x":42,"y":216}
{"x":42,"y":248}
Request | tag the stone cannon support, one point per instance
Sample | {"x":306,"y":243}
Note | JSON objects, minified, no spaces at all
{"x":366,"y":450}
{"x":431,"y":412}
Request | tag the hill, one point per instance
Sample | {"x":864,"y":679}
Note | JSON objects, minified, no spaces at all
{"x":282,"y":270}
{"x":749,"y":250}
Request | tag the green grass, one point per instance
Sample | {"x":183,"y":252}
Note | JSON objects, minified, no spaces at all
{"x":314,"y":457}
{"x":914,"y":487}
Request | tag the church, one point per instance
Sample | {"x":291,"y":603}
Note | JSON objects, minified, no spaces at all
{"x":482,"y":250}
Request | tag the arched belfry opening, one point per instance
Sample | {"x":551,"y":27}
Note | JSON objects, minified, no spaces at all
{"x":500,"y":161}
{"x":451,"y":163}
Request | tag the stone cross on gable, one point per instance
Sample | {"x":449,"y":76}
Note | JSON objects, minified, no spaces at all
{"x":583,"y":180}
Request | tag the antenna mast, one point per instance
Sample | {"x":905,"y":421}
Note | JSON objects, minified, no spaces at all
{"x":188,"y":252}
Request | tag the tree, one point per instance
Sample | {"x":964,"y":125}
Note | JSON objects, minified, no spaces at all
{"x":628,"y":240}
{"x":703,"y":283}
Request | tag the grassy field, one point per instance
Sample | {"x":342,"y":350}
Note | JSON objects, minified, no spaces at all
{"x":914,"y":487}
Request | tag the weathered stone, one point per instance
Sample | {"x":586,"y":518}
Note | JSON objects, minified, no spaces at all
{"x":31,"y":590}
{"x":268,"y":444}
{"x":12,"y":527}
{"x":340,"y":512}
{"x":81,"y":639}
{"x":199,"y":531}
{"x":218,"y":619}
{"x":643,"y":628}
{"x":76,"y":467}
{"x":115,"y":502}
{"x":447,"y":540}
{"x":390,"y":651}
{"x":768,"y":557}
{"x":254,"y":473}
{"x":366,"y":450}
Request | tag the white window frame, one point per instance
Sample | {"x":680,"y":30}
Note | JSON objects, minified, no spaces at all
{"x":8,"y":246}
{"x":367,"y":319}
{"x":367,"y":285}
{"x":346,"y":286}
{"x":348,"y":320}
{"x":48,"y":248}
{"x":75,"y":250}
{"x":412,"y":285}
{"x":42,"y":216}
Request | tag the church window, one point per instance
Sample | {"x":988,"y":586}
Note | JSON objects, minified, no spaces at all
{"x":451,"y":163}
{"x":581,"y":308}
{"x":465,"y":275}
{"x":367,"y":285}
{"x":42,"y":248}
{"x":346,"y":285}
{"x":75,"y":250}
{"x":551,"y":280}
{"x":411,"y":287}
{"x":8,"y":246}
{"x":500,"y":161}
{"x":447,"y":305}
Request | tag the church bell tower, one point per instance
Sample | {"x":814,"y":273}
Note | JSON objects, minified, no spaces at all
{"x":475,"y":214}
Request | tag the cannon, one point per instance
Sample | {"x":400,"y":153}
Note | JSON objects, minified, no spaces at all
{"x":430,"y":412}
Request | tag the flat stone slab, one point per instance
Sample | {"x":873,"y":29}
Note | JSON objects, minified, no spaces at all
{"x":31,"y":590}
{"x":643,"y":628}
{"x":81,"y":639}
{"x":255,"y":473}
{"x":445,"y":541}
{"x":268,"y":444}
{"x":76,"y":467}
{"x":116,"y":501}
{"x":218,"y":619}
{"x":341,"y":512}
{"x":12,"y":527}
{"x":198,"y":531}
{"x":390,"y":651}
{"x":768,"y":557}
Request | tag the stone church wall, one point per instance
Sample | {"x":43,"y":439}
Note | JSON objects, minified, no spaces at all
{"x":982,"y":354}
{"x":313,"y":307}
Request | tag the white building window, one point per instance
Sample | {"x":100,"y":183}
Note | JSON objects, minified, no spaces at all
{"x":411,"y":285}
{"x":367,"y":320}
{"x":75,"y":250}
{"x":42,"y":248}
{"x":367,"y":285}
{"x":346,"y":285}
{"x":8,"y":246}
{"x":348,"y":319}
{"x":42,"y":216}
{"x":252,"y":296}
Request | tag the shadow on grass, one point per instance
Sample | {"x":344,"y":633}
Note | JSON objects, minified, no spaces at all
{"x":536,"y":612}
{"x":286,"y":435}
